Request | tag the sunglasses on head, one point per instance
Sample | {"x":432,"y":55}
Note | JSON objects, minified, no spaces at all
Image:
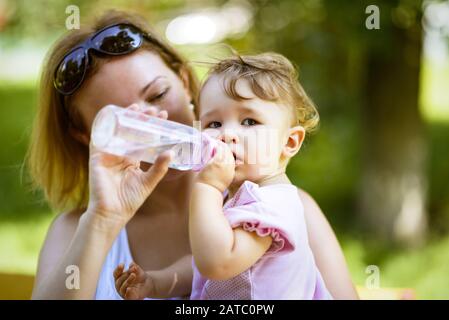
{"x":114,"y":40}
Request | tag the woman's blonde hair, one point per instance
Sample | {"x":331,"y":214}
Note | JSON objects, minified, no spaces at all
{"x":57,"y":162}
{"x":272,"y":77}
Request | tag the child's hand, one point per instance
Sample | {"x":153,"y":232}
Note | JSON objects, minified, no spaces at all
{"x":220,"y":171}
{"x":134,"y":284}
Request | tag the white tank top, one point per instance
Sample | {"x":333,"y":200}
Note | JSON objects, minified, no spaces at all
{"x":119,"y":253}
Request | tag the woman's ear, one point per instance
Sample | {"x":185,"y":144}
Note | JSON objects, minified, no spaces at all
{"x":184,"y":75}
{"x":295,"y":139}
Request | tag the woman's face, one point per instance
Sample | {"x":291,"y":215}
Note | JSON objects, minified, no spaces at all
{"x":141,"y":77}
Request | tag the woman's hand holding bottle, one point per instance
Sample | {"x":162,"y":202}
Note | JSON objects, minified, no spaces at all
{"x":118,"y":186}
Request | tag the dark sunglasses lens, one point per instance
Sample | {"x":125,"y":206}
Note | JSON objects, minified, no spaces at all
{"x":117,"y":40}
{"x":70,"y":72}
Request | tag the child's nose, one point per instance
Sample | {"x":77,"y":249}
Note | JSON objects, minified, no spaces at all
{"x":229,"y":136}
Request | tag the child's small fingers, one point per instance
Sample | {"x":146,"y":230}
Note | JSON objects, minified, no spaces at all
{"x":132,"y":278}
{"x":122,"y":290}
{"x":230,"y":157}
{"x":119,"y":282}
{"x":140,"y":273}
{"x":134,"y":268}
{"x":119,"y":270}
{"x":218,"y":150}
{"x":125,"y":286}
{"x":221,"y":152}
{"x":130,"y":294}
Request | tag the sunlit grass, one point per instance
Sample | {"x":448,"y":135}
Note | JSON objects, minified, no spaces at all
{"x":20,"y":243}
{"x":424,"y":270}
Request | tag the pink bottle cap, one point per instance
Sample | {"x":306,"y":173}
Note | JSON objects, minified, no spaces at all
{"x":209,"y":147}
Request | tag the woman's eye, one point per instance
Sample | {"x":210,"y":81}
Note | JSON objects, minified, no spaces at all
{"x":158,"y":96}
{"x":249,"y":122}
{"x":214,"y":125}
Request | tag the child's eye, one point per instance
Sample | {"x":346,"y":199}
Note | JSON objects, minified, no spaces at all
{"x":249,"y":122}
{"x":214,"y":125}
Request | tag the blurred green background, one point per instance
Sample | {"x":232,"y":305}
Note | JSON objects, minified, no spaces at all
{"x":378,"y":166}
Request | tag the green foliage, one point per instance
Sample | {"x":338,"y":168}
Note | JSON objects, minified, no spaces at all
{"x":21,"y":241}
{"x":16,"y":114}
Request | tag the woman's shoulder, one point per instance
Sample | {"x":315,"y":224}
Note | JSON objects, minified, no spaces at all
{"x":62,"y":228}
{"x":307,"y":200}
{"x":59,"y":236}
{"x":67,"y":221}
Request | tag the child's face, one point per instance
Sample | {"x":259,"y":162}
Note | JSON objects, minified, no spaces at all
{"x":254,"y":129}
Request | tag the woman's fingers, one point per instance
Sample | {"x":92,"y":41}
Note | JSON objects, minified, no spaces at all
{"x":134,"y":107}
{"x":157,"y":171}
{"x":98,"y":157}
{"x":149,"y":110}
{"x":163,"y":114}
{"x":155,"y":112}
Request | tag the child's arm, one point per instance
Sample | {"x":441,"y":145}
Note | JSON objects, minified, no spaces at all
{"x":219,"y":251}
{"x":173,"y":281}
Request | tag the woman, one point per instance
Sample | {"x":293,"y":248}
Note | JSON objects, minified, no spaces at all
{"x":120,"y":211}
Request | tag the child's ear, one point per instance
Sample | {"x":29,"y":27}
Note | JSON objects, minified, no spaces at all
{"x":295,"y":139}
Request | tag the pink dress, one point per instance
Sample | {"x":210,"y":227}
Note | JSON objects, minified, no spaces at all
{"x":287,"y":270}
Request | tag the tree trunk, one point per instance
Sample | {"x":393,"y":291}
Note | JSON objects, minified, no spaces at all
{"x":393,"y":188}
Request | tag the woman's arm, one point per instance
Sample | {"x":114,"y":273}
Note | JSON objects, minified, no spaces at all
{"x":117,"y":188}
{"x":327,"y":251}
{"x":83,"y":246}
{"x":73,"y":244}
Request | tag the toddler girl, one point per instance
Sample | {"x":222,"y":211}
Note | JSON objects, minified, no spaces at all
{"x":247,"y":230}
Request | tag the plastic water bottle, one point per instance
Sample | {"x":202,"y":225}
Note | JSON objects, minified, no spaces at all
{"x":133,"y":134}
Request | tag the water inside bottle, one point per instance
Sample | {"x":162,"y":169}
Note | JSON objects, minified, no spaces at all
{"x":143,"y":138}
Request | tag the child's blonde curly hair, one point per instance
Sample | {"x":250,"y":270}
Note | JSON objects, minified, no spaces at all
{"x":272,"y":77}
